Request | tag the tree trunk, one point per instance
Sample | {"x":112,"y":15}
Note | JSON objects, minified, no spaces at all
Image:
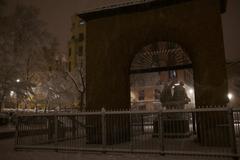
{"x":2,"y":102}
{"x":81,"y":98}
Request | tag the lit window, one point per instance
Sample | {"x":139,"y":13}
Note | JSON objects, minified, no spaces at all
{"x":82,"y":22}
{"x":172,"y":74}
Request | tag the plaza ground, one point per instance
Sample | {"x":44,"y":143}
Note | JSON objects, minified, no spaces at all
{"x":7,"y":152}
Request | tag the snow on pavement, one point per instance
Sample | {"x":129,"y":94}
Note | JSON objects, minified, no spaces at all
{"x":7,"y":152}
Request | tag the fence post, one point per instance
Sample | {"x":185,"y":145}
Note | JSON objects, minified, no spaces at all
{"x":232,"y":133}
{"x":161,"y":132}
{"x":131,"y":131}
{"x":103,"y":121}
{"x":16,"y":132}
{"x":56,"y":131}
{"x":194,"y":122}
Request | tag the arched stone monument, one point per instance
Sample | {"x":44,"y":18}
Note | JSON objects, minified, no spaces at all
{"x":115,"y":34}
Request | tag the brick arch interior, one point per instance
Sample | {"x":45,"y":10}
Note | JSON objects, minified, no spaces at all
{"x":160,"y":54}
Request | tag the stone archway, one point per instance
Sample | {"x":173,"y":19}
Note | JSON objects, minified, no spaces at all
{"x":114,"y":39}
{"x":115,"y":35}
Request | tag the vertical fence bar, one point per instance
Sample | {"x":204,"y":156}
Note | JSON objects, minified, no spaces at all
{"x":103,"y":121}
{"x":194,"y":122}
{"x":16,"y":132}
{"x":131,"y":131}
{"x":142,"y":123}
{"x":161,"y":132}
{"x":56,"y":131}
{"x":232,"y":136}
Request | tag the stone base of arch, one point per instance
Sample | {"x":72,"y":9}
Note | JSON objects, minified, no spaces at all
{"x":116,"y":129}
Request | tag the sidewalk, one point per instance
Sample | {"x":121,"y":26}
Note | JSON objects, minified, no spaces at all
{"x":7,"y":131}
{"x":7,"y":152}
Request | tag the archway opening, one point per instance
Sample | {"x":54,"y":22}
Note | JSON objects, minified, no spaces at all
{"x":155,"y":67}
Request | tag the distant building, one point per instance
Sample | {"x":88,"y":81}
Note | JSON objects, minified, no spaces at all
{"x":76,"y":44}
{"x":146,"y":88}
{"x":77,"y":54}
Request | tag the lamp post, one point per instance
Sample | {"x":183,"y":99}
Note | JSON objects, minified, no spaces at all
{"x":18,"y":81}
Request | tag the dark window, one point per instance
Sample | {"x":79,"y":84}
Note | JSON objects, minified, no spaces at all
{"x":80,"y":37}
{"x":57,"y":64}
{"x":141,"y":95}
{"x":70,"y":67}
{"x":80,"y":51}
{"x":70,"y":52}
{"x":142,"y":107}
{"x":185,"y":76}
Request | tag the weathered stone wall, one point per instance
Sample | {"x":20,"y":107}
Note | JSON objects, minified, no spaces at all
{"x":113,"y":41}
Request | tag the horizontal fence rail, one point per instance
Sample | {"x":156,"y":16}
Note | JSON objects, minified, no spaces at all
{"x":199,"y":132}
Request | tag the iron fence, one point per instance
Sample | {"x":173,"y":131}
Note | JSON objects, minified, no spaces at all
{"x":200,"y":132}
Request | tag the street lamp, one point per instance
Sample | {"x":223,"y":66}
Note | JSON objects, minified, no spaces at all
{"x":18,"y":80}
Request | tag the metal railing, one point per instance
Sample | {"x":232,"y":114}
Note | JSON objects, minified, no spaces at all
{"x":199,"y":132}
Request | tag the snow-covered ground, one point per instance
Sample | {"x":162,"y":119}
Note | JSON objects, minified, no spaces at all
{"x":7,"y":152}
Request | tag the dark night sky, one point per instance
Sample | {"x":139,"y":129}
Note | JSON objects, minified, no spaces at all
{"x":57,"y":14}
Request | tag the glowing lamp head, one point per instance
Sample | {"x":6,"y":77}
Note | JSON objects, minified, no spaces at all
{"x":11,"y":93}
{"x":191,"y":91}
{"x":230,"y":96}
{"x":18,"y":80}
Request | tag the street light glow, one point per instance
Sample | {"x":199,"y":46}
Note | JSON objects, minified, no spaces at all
{"x":11,"y":93}
{"x":190,"y":91}
{"x":18,"y":80}
{"x":82,"y":22}
{"x":230,"y":96}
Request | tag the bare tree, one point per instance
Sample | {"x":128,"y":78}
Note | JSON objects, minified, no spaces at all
{"x":78,"y":79}
{"x":24,"y":50}
{"x":61,"y":92}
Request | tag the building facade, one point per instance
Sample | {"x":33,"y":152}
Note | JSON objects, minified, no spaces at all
{"x":76,"y":44}
{"x":146,"y":88}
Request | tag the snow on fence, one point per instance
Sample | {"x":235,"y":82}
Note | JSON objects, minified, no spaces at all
{"x":211,"y":131}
